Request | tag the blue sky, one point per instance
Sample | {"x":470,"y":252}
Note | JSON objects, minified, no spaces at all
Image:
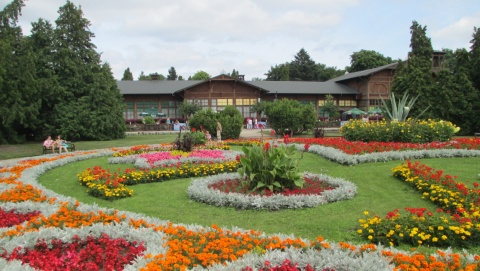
{"x":251,"y":36}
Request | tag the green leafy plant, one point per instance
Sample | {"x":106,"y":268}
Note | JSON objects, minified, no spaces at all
{"x":148,"y":120}
{"x":275,"y":169}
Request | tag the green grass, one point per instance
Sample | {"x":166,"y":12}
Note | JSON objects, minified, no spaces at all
{"x":35,"y":149}
{"x":378,"y":192}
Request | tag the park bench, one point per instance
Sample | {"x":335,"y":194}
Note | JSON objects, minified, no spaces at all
{"x":476,"y":134}
{"x":70,"y":147}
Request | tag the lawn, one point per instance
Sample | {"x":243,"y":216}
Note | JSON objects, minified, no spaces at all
{"x":378,"y":192}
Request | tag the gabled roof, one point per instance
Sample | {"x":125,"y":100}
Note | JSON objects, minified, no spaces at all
{"x":154,"y":86}
{"x":272,"y":87}
{"x":302,"y":87}
{"x":368,"y":72}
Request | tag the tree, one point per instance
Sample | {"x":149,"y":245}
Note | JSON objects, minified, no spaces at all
{"x":367,"y":59}
{"x":290,"y":116}
{"x":43,"y":44}
{"x":127,"y":75}
{"x":200,"y":75}
{"x":330,"y":108}
{"x":415,"y":75}
{"x":279,"y":73}
{"x":259,"y":107}
{"x":172,"y":74}
{"x":18,"y":90}
{"x":234,"y":74}
{"x":455,"y":91}
{"x":143,"y":77}
{"x":91,"y":105}
{"x":475,"y":58}
{"x":204,"y":119}
{"x":302,"y":68}
{"x":188,"y":108}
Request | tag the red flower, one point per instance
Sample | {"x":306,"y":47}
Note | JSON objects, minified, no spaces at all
{"x":272,"y":132}
{"x":266,"y":147}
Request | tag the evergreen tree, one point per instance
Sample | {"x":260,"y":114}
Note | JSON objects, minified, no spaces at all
{"x":143,"y":77}
{"x":302,"y":68}
{"x":42,"y":42}
{"x":91,"y":105}
{"x":415,"y":75}
{"x":456,"y":99}
{"x":18,"y":90}
{"x":127,"y":75}
{"x":475,"y":58}
{"x":172,"y":74}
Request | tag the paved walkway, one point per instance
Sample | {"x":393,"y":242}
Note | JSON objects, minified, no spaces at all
{"x":253,"y":133}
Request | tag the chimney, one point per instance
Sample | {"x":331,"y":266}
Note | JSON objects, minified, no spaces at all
{"x":241,"y":77}
{"x":154,"y":76}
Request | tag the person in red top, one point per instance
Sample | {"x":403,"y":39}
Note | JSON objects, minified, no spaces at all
{"x":48,"y":143}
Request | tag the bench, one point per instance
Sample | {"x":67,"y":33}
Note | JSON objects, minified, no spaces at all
{"x":476,"y":134}
{"x":71,"y":147}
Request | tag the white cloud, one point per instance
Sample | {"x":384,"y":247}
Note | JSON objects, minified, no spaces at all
{"x":252,"y":36}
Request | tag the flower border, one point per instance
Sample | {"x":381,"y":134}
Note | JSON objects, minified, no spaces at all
{"x":199,"y":191}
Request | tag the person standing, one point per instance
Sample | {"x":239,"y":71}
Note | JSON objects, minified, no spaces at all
{"x":219,"y":131}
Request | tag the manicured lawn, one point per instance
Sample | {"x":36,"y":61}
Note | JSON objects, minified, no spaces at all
{"x":35,"y":149}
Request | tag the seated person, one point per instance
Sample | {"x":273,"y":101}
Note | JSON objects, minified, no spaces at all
{"x":61,"y":144}
{"x":49,"y":144}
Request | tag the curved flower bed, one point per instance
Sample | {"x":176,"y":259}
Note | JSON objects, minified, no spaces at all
{"x":181,"y":247}
{"x":199,"y":190}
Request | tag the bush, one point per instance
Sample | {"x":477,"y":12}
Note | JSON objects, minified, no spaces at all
{"x":204,"y":119}
{"x":288,"y":115}
{"x":409,"y":131}
{"x":232,"y":122}
{"x":148,"y":120}
{"x":198,"y":138}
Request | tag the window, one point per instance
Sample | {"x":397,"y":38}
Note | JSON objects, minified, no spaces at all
{"x":347,"y":103}
{"x":146,"y":105}
{"x":321,"y":102}
{"x":375,"y":102}
{"x":129,"y":110}
{"x":170,"y":109}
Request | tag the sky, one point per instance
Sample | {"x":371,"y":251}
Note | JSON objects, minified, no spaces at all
{"x":251,"y":36}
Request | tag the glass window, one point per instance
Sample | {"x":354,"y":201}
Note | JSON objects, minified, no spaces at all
{"x":321,"y":102}
{"x":128,"y":112}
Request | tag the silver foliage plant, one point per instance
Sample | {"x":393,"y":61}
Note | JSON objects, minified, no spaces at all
{"x":199,"y":191}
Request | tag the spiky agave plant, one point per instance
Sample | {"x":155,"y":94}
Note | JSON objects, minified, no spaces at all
{"x":400,"y":111}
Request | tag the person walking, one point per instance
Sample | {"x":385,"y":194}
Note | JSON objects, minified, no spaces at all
{"x":219,"y":131}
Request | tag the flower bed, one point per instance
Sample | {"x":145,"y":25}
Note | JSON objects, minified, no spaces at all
{"x":180,"y":247}
{"x":455,"y":223}
{"x":201,"y":190}
{"x":353,"y":153}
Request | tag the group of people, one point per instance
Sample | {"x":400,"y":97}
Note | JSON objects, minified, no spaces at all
{"x":60,"y":144}
{"x":252,"y":123}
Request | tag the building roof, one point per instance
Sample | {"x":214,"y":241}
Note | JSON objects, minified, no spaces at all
{"x":154,"y":86}
{"x":272,"y":87}
{"x":363,"y":73}
{"x":302,"y":87}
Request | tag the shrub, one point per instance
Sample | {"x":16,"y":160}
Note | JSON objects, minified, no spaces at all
{"x":204,"y":119}
{"x":148,"y":120}
{"x":409,"y":131}
{"x":232,"y":121}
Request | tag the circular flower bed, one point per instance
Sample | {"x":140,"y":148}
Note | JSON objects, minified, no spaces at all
{"x":201,"y":190}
